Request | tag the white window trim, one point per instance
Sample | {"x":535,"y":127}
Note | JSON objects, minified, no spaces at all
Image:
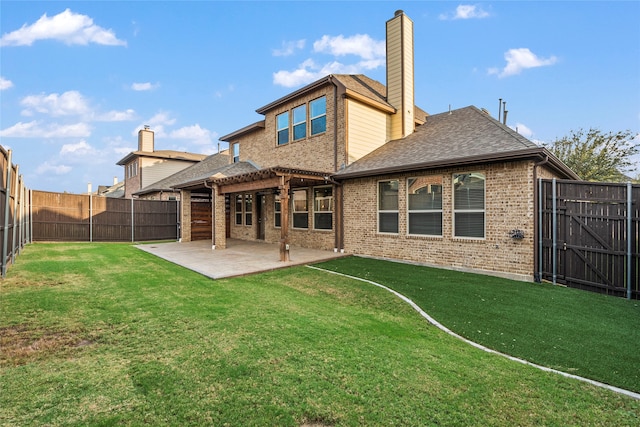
{"x":293,"y":209}
{"x":454,"y":210}
{"x":277,"y":199}
{"x":318,"y":116}
{"x":294,"y":123}
{"x":378,"y":211}
{"x":323,"y":212}
{"x":235,"y":208}
{"x":409,"y":211}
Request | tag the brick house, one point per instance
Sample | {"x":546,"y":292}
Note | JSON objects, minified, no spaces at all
{"x":147,"y":166}
{"x":349,"y":164}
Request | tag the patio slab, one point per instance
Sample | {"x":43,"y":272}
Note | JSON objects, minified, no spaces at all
{"x":238,"y":259}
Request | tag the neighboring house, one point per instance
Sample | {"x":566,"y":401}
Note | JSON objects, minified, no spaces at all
{"x":147,"y":166}
{"x":115,"y":191}
{"x":163,"y":189}
{"x":348,"y":164}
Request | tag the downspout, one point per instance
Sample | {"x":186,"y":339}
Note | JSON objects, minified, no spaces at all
{"x":537,"y":225}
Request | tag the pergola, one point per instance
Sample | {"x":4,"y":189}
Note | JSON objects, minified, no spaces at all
{"x":276,"y":180}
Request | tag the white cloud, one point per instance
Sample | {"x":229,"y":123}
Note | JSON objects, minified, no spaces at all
{"x":289,"y":48}
{"x":117,"y":116}
{"x":36,"y":130}
{"x":48,"y":167}
{"x":371,"y":53}
{"x":68,"y":27}
{"x":466,"y":11}
{"x":361,"y":45}
{"x":521,"y":59}
{"x":5,"y":84}
{"x":523,"y":130}
{"x":79,"y":149}
{"x":144,"y":86}
{"x":67,"y":104}
{"x":157,"y":124}
{"x":194,"y":133}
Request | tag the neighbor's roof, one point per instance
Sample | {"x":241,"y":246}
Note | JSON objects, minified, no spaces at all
{"x":225,"y":171}
{"x":460,"y":137}
{"x":190,"y":173}
{"x":162,"y":154}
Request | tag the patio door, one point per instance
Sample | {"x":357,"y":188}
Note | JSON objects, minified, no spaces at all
{"x":261,"y":211}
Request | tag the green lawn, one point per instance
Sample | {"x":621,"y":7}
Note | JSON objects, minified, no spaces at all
{"x":578,"y":332}
{"x":105,"y":334}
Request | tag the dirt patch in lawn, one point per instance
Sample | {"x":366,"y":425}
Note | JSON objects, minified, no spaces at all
{"x":21,"y":344}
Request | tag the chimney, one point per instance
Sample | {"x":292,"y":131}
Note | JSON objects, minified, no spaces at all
{"x":145,"y":139}
{"x":400,"y":92}
{"x":115,"y":180}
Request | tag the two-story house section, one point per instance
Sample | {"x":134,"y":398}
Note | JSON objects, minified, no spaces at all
{"x":147,"y":165}
{"x":350,"y":164}
{"x":305,"y":137}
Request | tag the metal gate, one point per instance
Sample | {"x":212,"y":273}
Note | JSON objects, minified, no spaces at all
{"x":589,"y":236}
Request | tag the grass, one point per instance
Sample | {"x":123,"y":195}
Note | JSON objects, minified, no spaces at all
{"x":582,"y":333}
{"x":105,"y":334}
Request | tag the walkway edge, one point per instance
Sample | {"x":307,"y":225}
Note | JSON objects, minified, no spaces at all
{"x":481,"y":347}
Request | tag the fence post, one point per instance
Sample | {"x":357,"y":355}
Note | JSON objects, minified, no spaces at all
{"x":90,"y":217}
{"x":629,"y":231}
{"x":7,"y":211}
{"x":540,"y":233}
{"x":132,"y":223}
{"x":15,"y":217}
{"x":554,"y":228}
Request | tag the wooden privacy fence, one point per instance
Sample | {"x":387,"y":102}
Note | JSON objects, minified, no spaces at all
{"x":589,"y":236}
{"x":84,"y":217}
{"x":14,"y":218}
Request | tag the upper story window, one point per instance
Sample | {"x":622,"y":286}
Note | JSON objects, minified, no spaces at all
{"x":425,"y":205}
{"x":468,"y":205}
{"x":388,"y":206}
{"x":236,"y":152}
{"x":282,"y":123}
{"x":300,"y":122}
{"x":318,"y":115}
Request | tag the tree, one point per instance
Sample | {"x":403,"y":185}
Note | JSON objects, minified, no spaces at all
{"x":597,"y":156}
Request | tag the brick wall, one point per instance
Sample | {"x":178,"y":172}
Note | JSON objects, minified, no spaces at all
{"x":509,"y":204}
{"x":185,"y":217}
{"x":306,"y":238}
{"x":315,"y":153}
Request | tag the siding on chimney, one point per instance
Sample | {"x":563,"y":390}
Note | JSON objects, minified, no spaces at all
{"x":400,"y":91}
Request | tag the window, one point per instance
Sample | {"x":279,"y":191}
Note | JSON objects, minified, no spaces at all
{"x":282,"y":123}
{"x":277,"y":209}
{"x":323,"y":208}
{"x":236,"y":152}
{"x":300,"y":209}
{"x":318,"y":115}
{"x":468,"y":205}
{"x":388,"y":206}
{"x":300,"y":122}
{"x":248,"y":202}
{"x":238,"y":209}
{"x":425,"y":205}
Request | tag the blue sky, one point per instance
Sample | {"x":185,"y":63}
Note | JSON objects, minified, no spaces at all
{"x":78,"y":79}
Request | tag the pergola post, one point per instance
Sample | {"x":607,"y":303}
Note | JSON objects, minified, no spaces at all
{"x":284,"y":220}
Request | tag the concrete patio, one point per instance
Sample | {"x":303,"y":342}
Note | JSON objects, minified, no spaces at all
{"x":238,"y":259}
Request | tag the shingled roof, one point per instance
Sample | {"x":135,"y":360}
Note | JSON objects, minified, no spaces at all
{"x":202,"y":168}
{"x":228,"y":170}
{"x":460,"y":137}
